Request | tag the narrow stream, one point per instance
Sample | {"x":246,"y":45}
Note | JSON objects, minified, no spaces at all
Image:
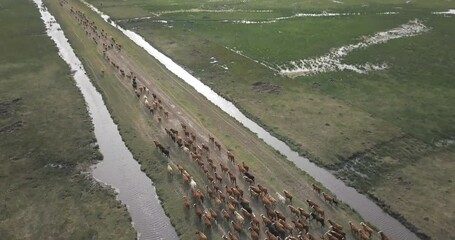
{"x":364,"y":206}
{"x":118,"y":168}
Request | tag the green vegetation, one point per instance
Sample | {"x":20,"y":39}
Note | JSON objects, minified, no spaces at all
{"x":47,"y":143}
{"x":369,"y":128}
{"x":138,"y":129}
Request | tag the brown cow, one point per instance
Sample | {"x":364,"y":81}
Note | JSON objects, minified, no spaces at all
{"x":232,"y":178}
{"x":253,"y":234}
{"x":336,"y":234}
{"x":286,"y":225}
{"x":205,"y":147}
{"x":301,"y":226}
{"x":232,"y":236}
{"x":218,"y":201}
{"x":230,"y":156}
{"x":266,"y":220}
{"x":311,"y":203}
{"x":329,"y":199}
{"x":213,"y":166}
{"x":233,"y":201}
{"x":186,"y":179}
{"x":270,"y":212}
{"x":363,"y":235}
{"x":169,"y":169}
{"x":245,"y":167}
{"x":265,"y":200}
{"x":198,"y":210}
{"x":157,"y":144}
{"x":221,"y":195}
{"x":254,"y":194}
{"x":213,"y":213}
{"x":218,"y":146}
{"x":354,"y":229}
{"x":215,"y":186}
{"x":224,"y":169}
{"x":280,"y":215}
{"x":279,"y":227}
{"x":248,"y":180}
{"x":238,"y":192}
{"x":319,"y":210}
{"x":334,"y":224}
{"x":210,"y":177}
{"x":255,"y":221}
{"x":294,"y":210}
{"x":270,"y":236}
{"x":207,"y":221}
{"x":201,"y":235}
{"x":218,"y":177}
{"x":383,"y":236}
{"x":226,"y":215}
{"x":186,"y":202}
{"x":180,"y":168}
{"x":241,"y":168}
{"x":367,"y":229}
{"x":231,"y":207}
{"x":236,"y":227}
{"x":338,"y":230}
{"x":246,"y":214}
{"x":304,"y":214}
{"x":198,"y":195}
{"x":329,"y":236}
{"x":317,"y":218}
{"x":263,"y":189}
{"x":288,"y":195}
{"x":316,"y":188}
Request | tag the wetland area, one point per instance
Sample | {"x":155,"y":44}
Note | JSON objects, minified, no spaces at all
{"x":238,"y":108}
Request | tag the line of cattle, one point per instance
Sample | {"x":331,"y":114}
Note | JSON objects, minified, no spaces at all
{"x":229,"y":201}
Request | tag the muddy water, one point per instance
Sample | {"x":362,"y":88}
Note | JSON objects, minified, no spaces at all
{"x":364,"y":206}
{"x":118,"y":169}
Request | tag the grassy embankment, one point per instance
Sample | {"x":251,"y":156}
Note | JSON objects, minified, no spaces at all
{"x":386,"y":126}
{"x":138,"y":129}
{"x":46,"y":142}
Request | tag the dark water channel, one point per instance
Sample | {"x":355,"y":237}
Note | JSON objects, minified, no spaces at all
{"x":368,"y":209}
{"x":118,"y":168}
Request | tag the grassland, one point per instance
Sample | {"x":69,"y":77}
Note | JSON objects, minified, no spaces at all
{"x":138,"y":129}
{"x":46,"y":142}
{"x":371,"y":129}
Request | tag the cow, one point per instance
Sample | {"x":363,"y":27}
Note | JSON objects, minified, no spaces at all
{"x":288,"y":195}
{"x":201,"y":235}
{"x":249,"y":175}
{"x":169,"y":169}
{"x":316,"y":188}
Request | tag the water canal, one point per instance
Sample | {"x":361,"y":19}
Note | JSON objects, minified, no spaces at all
{"x":118,"y":169}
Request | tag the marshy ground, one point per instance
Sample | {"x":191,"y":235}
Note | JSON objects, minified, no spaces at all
{"x":46,"y":142}
{"x":380,"y":131}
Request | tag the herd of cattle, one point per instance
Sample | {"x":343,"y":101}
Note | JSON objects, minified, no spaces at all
{"x":255,"y":213}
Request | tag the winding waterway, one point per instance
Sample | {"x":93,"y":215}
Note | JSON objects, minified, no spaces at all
{"x":118,"y":168}
{"x":369,"y":210}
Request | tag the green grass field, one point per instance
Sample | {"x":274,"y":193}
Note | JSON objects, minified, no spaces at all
{"x":371,"y":129}
{"x":46,"y":142}
{"x":139,"y":130}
